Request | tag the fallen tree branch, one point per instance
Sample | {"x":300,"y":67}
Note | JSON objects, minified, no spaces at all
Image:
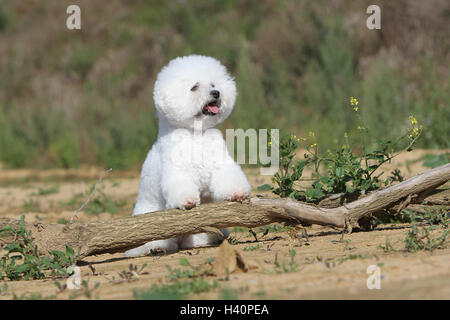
{"x":119,"y":235}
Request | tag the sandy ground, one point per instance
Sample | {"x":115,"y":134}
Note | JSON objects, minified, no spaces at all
{"x":325,"y":266}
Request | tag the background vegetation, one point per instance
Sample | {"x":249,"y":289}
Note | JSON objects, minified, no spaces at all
{"x":69,"y":98}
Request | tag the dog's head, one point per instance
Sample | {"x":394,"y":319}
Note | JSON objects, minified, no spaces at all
{"x":194,"y":88}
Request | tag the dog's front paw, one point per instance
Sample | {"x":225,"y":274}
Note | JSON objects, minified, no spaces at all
{"x":189,"y":204}
{"x":237,"y":196}
{"x":183,"y":196}
{"x":183,"y":203}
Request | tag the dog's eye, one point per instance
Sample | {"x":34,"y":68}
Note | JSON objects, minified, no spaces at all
{"x":195,"y":87}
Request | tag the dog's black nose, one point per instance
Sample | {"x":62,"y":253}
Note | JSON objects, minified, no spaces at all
{"x":215,"y":93}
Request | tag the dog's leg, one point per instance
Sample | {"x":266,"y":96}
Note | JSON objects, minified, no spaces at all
{"x":229,"y":183}
{"x":179,"y":190}
{"x":203,"y":240}
{"x":168,"y":246}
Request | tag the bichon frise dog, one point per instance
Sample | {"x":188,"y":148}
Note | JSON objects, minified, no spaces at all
{"x":189,"y":163}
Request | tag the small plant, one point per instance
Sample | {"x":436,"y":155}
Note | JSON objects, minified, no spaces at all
{"x":132,"y":274}
{"x":351,"y":257}
{"x":340,"y":171}
{"x":32,"y":296}
{"x":260,"y":294}
{"x":85,"y":290}
{"x":31,"y":206}
{"x":101,"y":203}
{"x":181,"y":283}
{"x":228,"y":294}
{"x":421,"y":236}
{"x":253,"y":248}
{"x":346,"y":243}
{"x":283,"y":267}
{"x":191,"y":272}
{"x":429,"y":231}
{"x":276,"y":228}
{"x":33,"y":265}
{"x":63,"y":221}
{"x":46,"y":191}
{"x":176,"y":290}
{"x":387,"y":247}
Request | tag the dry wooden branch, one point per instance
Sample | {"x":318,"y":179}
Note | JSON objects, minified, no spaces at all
{"x":119,"y":235}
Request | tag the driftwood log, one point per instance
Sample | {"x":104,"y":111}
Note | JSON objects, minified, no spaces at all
{"x":119,"y":235}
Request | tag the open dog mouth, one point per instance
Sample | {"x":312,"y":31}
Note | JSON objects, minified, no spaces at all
{"x":211,"y":108}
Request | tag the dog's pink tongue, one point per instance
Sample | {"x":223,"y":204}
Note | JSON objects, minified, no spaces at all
{"x":213,"y":109}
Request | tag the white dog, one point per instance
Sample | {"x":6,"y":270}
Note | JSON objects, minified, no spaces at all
{"x":189,"y":163}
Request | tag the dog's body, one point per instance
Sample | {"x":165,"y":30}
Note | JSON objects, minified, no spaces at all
{"x":189,"y":163}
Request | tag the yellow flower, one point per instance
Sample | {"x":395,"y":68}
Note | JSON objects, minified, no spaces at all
{"x":269,"y":143}
{"x":353,"y":102}
{"x":414,"y":132}
{"x":294,"y":137}
{"x":360,"y":128}
{"x":313,"y":145}
{"x":413,"y":120}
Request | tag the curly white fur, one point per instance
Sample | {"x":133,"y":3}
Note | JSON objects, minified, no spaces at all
{"x":189,"y":163}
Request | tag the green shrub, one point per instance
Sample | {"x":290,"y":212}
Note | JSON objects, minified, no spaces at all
{"x":33,"y":265}
{"x":65,"y":152}
{"x":328,"y":82}
{"x":338,"y":171}
{"x":82,"y":58}
{"x":3,"y":19}
{"x":295,"y":66}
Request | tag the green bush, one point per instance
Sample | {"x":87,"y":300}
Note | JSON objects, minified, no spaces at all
{"x":295,"y":66}
{"x":13,"y":147}
{"x":82,"y":58}
{"x":328,"y":82}
{"x":65,"y":152}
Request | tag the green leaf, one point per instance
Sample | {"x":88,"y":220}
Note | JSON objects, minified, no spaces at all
{"x":22,"y":268}
{"x":339,"y":171}
{"x":324,"y":180}
{"x":7,"y":228}
{"x":184,"y":262}
{"x":69,"y":251}
{"x":349,"y":188}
